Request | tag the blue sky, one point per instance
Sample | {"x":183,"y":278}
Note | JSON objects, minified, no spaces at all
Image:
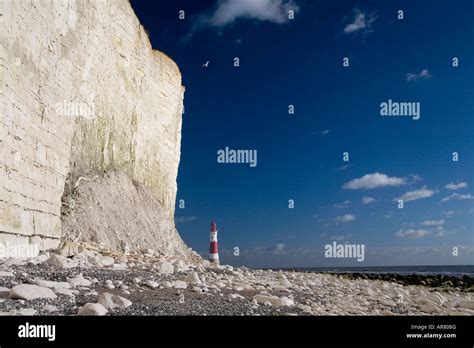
{"x":337,"y":109}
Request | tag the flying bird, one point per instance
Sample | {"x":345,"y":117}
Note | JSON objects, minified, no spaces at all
{"x":206,"y":65}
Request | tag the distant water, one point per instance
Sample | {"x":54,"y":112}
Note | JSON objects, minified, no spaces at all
{"x":454,"y":271}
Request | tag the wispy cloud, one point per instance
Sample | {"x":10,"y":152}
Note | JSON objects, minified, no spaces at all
{"x":375,"y":180}
{"x":344,"y":167}
{"x":441,"y":232}
{"x":457,"y":197}
{"x":453,"y":187}
{"x":361,"y":23}
{"x":325,"y":132}
{"x":344,"y":204}
{"x":412,"y":233}
{"x":432,"y":223}
{"x":226,"y":12}
{"x":345,"y":218}
{"x":184,"y":219}
{"x":423,"y":75}
{"x":368,"y":200}
{"x":279,"y":248}
{"x":339,"y":238}
{"x":416,"y":194}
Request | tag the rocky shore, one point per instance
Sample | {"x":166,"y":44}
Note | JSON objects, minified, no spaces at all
{"x":464,"y":283}
{"x":94,"y":283}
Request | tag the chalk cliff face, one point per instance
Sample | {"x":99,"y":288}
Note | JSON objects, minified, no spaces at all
{"x":82,"y":93}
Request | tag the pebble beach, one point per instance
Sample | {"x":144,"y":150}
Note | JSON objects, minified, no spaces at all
{"x":90,"y":283}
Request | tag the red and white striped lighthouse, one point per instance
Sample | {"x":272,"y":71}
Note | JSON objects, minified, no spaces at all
{"x":213,"y":253}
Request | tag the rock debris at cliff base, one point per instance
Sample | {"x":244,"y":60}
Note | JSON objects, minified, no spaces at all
{"x":116,"y":213}
{"x":90,"y":283}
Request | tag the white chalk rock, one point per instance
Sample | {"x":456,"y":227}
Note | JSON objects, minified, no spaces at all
{"x":167,"y":284}
{"x":429,"y":307}
{"x":68,"y":248}
{"x":111,"y":301}
{"x":50,"y":284}
{"x":119,"y":266}
{"x":165,"y":267}
{"x":57,"y":261}
{"x":284,"y":282}
{"x":285,"y":301}
{"x":30,"y":292}
{"x":180,"y":284}
{"x":92,"y":309}
{"x":78,"y":280}
{"x":234,"y":296}
{"x":27,"y":311}
{"x":42,"y":257}
{"x":107,"y":261}
{"x":151,"y":284}
{"x":192,"y":278}
{"x":50,"y":308}
{"x":63,"y":291}
{"x":273,"y":300}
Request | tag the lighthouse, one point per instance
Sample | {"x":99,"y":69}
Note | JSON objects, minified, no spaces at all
{"x":213,"y":253}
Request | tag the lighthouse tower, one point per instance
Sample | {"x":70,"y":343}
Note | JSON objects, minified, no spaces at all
{"x":213,"y":253}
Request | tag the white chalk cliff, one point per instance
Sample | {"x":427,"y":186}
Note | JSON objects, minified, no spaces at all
{"x":85,"y":100}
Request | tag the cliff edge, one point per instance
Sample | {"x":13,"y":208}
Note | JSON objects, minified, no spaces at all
{"x":86,"y":104}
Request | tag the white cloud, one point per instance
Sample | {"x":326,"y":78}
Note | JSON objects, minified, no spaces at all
{"x":368,"y":200}
{"x":416,"y":194}
{"x":414,"y":178}
{"x":412,"y":233}
{"x":362,"y":22}
{"x":423,"y":75}
{"x":226,"y":12}
{"x":453,"y":187}
{"x":345,"y":218}
{"x":344,"y":167}
{"x":184,"y":219}
{"x":440,"y":232}
{"x":457,"y":197}
{"x":433,"y":223}
{"x":340,"y":238}
{"x":344,"y":204}
{"x":279,"y":248}
{"x":374,"y":180}
{"x":325,"y":132}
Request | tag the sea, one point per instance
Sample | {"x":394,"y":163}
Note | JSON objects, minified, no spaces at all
{"x":454,"y":271}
